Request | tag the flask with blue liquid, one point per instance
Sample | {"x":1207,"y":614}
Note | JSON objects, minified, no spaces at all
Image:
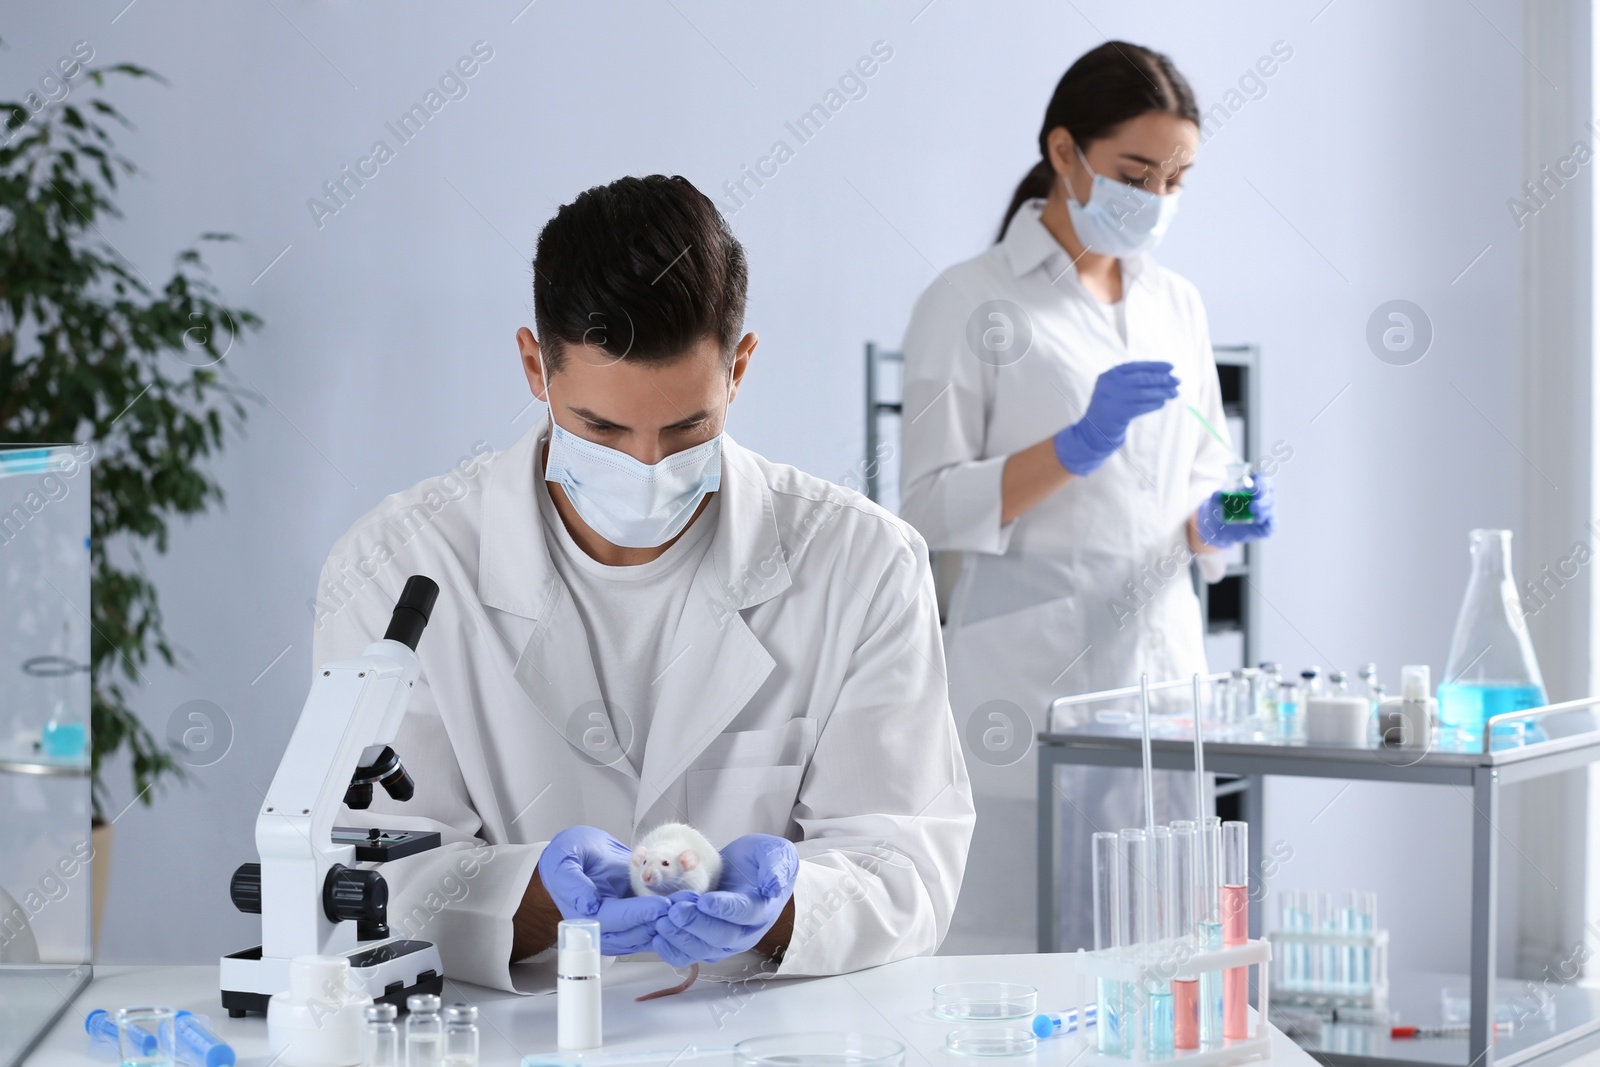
{"x":1492,"y":668}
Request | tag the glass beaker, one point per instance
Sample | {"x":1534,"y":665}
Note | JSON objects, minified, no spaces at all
{"x":1491,"y":668}
{"x":1238,"y":494}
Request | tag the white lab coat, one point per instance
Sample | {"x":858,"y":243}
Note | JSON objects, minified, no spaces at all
{"x":1084,"y":591}
{"x":808,"y":701}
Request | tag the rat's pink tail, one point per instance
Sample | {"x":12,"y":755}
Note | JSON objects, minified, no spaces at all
{"x":694,"y":972}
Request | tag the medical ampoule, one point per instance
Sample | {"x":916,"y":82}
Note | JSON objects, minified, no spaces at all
{"x":1161,"y":959}
{"x":461,"y":1036}
{"x":380,"y":1041}
{"x":1235,"y":906}
{"x":1338,"y":686}
{"x":1208,"y":921}
{"x":1185,"y":985}
{"x":424,"y":1032}
{"x":1133,"y":885}
{"x":1107,"y":935}
{"x":1311,"y":683}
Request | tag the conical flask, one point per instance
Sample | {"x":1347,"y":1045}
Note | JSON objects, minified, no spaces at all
{"x":1491,"y":668}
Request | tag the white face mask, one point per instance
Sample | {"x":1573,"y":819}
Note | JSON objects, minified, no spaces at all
{"x":629,"y":503}
{"x":1120,"y":219}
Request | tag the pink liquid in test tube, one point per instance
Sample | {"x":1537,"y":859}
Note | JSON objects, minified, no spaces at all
{"x":1186,"y":1013}
{"x":1234,"y":903}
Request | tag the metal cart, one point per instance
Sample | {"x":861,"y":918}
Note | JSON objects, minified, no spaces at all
{"x":1574,"y":1027}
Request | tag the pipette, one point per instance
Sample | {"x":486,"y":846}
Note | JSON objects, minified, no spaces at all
{"x":1212,"y":430}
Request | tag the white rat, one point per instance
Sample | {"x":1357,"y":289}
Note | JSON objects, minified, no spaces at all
{"x":671,"y":858}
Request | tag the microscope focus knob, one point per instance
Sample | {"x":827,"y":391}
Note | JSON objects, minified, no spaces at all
{"x":362,"y":896}
{"x":245,"y":888}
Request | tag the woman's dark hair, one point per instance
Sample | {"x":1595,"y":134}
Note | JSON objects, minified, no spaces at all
{"x":1106,"y":87}
{"x":643,"y":268}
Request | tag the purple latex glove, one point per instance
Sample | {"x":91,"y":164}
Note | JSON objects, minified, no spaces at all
{"x":585,"y":871}
{"x":758,"y":876}
{"x":1121,"y":395}
{"x":1213,"y":531}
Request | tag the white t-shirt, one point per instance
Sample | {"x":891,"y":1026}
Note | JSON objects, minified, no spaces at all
{"x":631,"y":614}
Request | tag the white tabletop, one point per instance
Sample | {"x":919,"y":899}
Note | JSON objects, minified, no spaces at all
{"x":894,"y":1001}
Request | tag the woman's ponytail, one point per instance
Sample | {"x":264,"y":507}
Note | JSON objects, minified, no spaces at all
{"x":1033,"y":186}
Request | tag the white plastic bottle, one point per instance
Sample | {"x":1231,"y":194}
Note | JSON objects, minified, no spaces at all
{"x":578,"y":984}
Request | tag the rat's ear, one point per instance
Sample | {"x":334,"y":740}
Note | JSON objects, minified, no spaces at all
{"x":688,"y":860}
{"x":638,"y":855}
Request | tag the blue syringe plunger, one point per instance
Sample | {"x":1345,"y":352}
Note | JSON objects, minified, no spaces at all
{"x":1050,"y":1023}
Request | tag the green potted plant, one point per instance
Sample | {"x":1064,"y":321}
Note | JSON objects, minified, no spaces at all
{"x":92,"y":351}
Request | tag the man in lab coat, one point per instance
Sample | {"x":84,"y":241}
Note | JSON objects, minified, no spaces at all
{"x":642,"y":622}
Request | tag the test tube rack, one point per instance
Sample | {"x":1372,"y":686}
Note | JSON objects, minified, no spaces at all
{"x":1332,"y":994}
{"x":1163,"y":961}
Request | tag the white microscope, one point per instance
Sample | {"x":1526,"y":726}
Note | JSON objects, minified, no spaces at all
{"x":306,"y":888}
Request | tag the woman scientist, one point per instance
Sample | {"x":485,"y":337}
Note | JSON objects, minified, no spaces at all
{"x":1047,"y":439}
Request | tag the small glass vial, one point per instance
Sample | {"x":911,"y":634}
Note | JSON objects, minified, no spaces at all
{"x":1266,"y":695}
{"x":1311,"y":683}
{"x":1290,"y":697}
{"x":461,"y":1035}
{"x":424,"y":1032}
{"x":380,"y":1042}
{"x":1338,"y":686}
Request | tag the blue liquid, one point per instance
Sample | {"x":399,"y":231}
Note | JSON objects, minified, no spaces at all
{"x":1108,"y":1017}
{"x":1290,"y":722}
{"x":1211,"y":988}
{"x":63,"y":740}
{"x":1468,"y":707}
{"x":1158,"y":1032}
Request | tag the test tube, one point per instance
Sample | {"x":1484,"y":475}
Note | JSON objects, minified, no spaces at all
{"x":1349,"y":925}
{"x":1185,"y":986}
{"x":1295,"y":919}
{"x":1235,"y":906}
{"x":1369,"y":923}
{"x":1107,"y":935}
{"x":1208,"y":920}
{"x":1158,"y":992}
{"x":1134,"y":886}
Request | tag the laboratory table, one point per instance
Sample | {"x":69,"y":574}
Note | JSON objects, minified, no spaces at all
{"x":694,"y":1029}
{"x":1478,"y":774}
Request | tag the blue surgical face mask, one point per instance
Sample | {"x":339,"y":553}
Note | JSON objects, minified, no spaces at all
{"x":629,"y":503}
{"x":1119,"y":219}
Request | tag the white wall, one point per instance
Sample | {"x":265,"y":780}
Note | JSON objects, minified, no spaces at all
{"x":1375,"y":166}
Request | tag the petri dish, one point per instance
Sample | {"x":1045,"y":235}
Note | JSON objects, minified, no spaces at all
{"x":990,"y":1041}
{"x":823,"y":1049}
{"x":984,"y":1001}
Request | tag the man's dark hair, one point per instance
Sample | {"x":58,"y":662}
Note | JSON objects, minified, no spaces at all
{"x":643,"y":268}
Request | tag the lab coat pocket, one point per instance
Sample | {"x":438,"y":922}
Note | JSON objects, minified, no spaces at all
{"x":727,"y":802}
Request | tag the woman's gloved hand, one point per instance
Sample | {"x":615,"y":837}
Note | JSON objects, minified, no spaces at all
{"x":758,"y":876}
{"x":1121,"y":395}
{"x":585,"y":871}
{"x":1213,"y":531}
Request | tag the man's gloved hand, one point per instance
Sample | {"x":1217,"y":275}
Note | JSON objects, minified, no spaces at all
{"x":1121,"y":395}
{"x":585,"y":871}
{"x":758,"y":876}
{"x":1213,"y":531}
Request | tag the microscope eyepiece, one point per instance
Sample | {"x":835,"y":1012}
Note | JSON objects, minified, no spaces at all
{"x":412,"y":610}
